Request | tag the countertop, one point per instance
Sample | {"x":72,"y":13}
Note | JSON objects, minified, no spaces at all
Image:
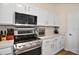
{"x":7,"y":43}
{"x":51,"y":36}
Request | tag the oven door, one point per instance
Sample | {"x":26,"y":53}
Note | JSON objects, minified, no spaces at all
{"x":36,"y":51}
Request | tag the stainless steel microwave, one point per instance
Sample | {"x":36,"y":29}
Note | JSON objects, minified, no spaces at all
{"x":21,"y":18}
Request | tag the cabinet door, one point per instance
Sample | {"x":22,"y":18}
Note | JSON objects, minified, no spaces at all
{"x":46,"y":47}
{"x":42,"y":18}
{"x":20,"y":8}
{"x":6,"y":13}
{"x":32,"y":10}
{"x":45,"y":18}
{"x":58,"y":44}
{"x":50,"y":19}
{"x":55,"y":45}
{"x":62,"y":42}
{"x":56,"y":20}
{"x":6,"y":51}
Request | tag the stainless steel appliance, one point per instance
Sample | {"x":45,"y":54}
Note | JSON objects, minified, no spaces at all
{"x":26,"y":42}
{"x":27,"y":45}
{"x":40,"y":31}
{"x":28,"y":48}
{"x":21,"y":18}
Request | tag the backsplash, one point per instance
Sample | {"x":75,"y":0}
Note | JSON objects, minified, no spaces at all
{"x":49,"y":31}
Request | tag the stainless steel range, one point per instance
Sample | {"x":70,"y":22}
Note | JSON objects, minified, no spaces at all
{"x":28,"y":48}
{"x":28,"y":44}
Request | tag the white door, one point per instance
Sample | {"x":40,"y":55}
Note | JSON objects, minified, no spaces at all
{"x":73,"y":32}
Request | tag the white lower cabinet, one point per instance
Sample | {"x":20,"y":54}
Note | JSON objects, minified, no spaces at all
{"x":46,"y":47}
{"x":62,"y":42}
{"x":58,"y":44}
{"x":6,"y":51}
{"x":52,"y":46}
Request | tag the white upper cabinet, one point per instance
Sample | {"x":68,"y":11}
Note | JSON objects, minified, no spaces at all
{"x":56,"y":20}
{"x":42,"y":18}
{"x":32,"y":10}
{"x":27,"y":9}
{"x":50,"y":18}
{"x":6,"y":13}
{"x":19,"y":7}
{"x":45,"y":18}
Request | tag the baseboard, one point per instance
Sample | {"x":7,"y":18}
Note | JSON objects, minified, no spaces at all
{"x":71,"y":51}
{"x":66,"y":49}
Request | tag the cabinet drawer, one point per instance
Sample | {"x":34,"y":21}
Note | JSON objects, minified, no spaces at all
{"x":6,"y":51}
